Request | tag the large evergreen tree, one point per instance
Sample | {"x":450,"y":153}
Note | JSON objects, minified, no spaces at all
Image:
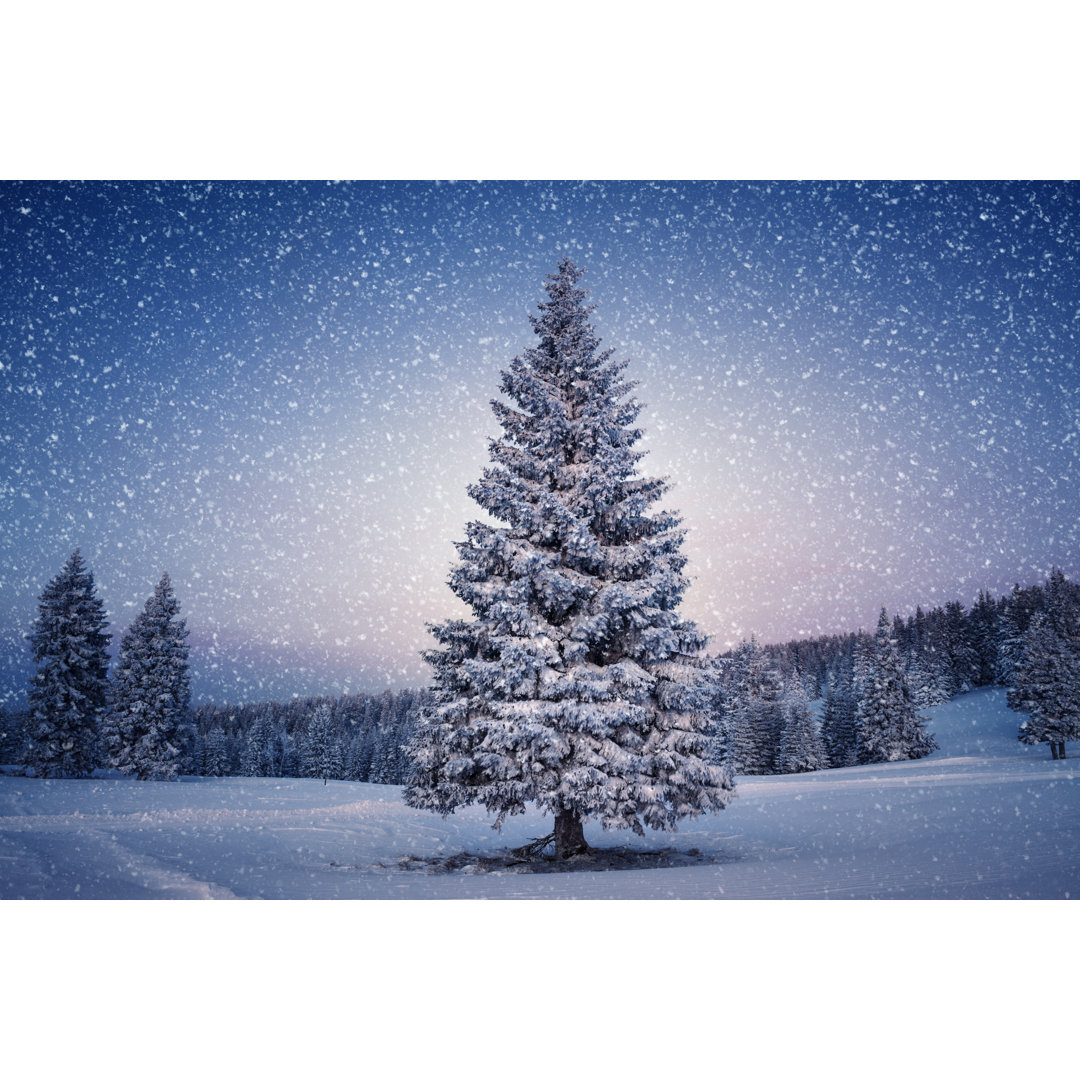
{"x":575,"y":686}
{"x":151,"y":691}
{"x":67,"y":692}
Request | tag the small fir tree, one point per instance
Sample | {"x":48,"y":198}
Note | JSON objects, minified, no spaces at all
{"x":147,"y":726}
{"x":983,"y":634}
{"x":575,"y":685}
{"x":956,"y":642}
{"x":68,"y":690}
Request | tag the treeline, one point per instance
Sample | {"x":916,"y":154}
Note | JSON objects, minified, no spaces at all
{"x":948,"y":648}
{"x":351,"y":737}
{"x":874,"y":685}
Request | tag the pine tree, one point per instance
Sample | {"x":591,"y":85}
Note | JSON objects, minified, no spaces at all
{"x":1014,"y":617}
{"x":801,"y":748}
{"x":963,"y":661}
{"x":260,"y":753}
{"x":983,"y":634}
{"x":151,"y":691}
{"x":1046,"y":678}
{"x":67,"y":692}
{"x":216,"y":753}
{"x":889,"y":727}
{"x":839,"y":733}
{"x":754,"y":715}
{"x":290,"y":754}
{"x":322,"y":758}
{"x":13,"y":737}
{"x":575,"y":686}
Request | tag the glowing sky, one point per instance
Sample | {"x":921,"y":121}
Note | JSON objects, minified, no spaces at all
{"x":866,"y":394}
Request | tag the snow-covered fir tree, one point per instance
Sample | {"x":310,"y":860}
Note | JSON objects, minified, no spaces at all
{"x":575,"y":686}
{"x":1046,"y":677}
{"x":953,"y":639}
{"x":13,"y":736}
{"x":801,"y":748}
{"x":1014,"y":616}
{"x":68,"y":690}
{"x":890,"y":729}
{"x":983,"y":634}
{"x":321,"y":758}
{"x":216,"y":753}
{"x":839,"y":733}
{"x":260,"y":756}
{"x":150,"y":695}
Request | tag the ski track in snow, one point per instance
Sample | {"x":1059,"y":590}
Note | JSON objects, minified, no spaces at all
{"x":983,"y":817}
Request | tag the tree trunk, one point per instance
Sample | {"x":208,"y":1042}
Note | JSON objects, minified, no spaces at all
{"x":1061,"y":750}
{"x":1053,"y":748}
{"x":569,"y":834}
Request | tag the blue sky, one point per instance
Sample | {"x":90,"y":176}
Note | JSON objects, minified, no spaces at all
{"x":866,"y":394}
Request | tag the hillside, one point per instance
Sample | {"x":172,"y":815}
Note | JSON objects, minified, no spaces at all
{"x":983,"y":817}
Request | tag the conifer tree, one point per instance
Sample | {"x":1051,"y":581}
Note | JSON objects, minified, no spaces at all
{"x":260,"y":752}
{"x":889,"y":727}
{"x":801,"y":748}
{"x":839,"y":733}
{"x":67,"y":692}
{"x":1046,"y":678}
{"x":754,"y":715}
{"x":983,"y":633}
{"x":216,"y":753}
{"x":961,"y":657}
{"x":1013,"y":620}
{"x":150,"y":694}
{"x":322,"y":758}
{"x":576,"y":685}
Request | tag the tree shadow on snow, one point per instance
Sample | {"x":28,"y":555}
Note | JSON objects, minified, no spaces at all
{"x":516,"y":862}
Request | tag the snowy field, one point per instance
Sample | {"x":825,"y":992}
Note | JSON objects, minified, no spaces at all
{"x":982,"y":818}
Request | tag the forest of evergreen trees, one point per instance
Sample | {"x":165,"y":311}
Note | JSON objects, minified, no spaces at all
{"x":873,"y":685}
{"x":762,"y":714}
{"x":349,"y":737}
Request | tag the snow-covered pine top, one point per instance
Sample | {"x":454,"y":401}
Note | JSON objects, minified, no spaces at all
{"x":68,"y":637}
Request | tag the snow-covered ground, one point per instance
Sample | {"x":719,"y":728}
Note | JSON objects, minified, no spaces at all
{"x":983,"y":817}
